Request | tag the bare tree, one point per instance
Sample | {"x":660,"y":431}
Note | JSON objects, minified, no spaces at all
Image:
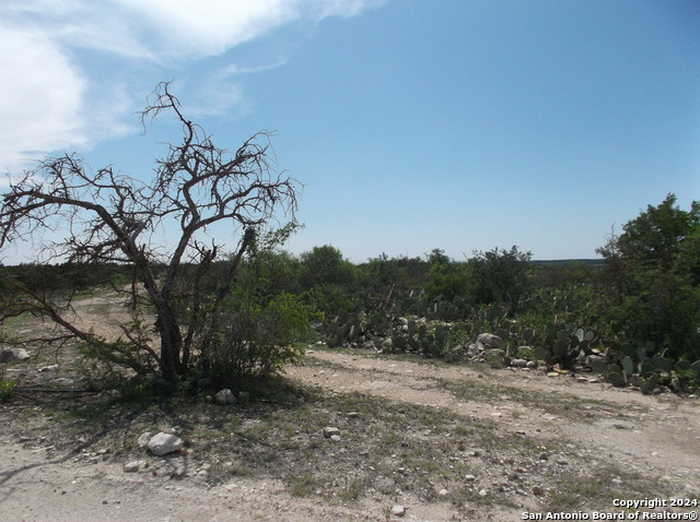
{"x":106,"y":215}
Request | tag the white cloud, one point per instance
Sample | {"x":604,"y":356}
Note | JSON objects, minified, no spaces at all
{"x":40,"y":98}
{"x":217,"y":93}
{"x":234,"y":69}
{"x":210,"y":27}
{"x":51,"y":98}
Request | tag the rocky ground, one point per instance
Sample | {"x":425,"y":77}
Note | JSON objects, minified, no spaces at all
{"x":347,"y":435}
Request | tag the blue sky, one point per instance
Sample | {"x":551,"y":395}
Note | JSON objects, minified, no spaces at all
{"x":412,"y":124}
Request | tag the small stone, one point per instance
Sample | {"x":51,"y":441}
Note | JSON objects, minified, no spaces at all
{"x":470,"y":478}
{"x":133,"y":466}
{"x":335,"y":438}
{"x":164,"y":443}
{"x":179,"y":470}
{"x":483,"y":492}
{"x":328,"y":431}
{"x":442,"y":492}
{"x":143,"y":439}
{"x":538,"y":491}
{"x":14,"y":354}
{"x":353,"y":414}
{"x":225,"y":396}
{"x":398,"y":510}
{"x":49,"y":368}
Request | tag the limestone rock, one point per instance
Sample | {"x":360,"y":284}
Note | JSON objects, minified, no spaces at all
{"x":143,"y":439}
{"x":225,"y":396}
{"x":13,"y":354}
{"x":133,"y":466}
{"x":329,"y":431}
{"x":489,"y":340}
{"x":164,"y":443}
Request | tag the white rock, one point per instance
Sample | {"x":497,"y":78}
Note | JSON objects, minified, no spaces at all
{"x":131,"y":467}
{"x":469,"y":478}
{"x":49,"y":368}
{"x":225,"y":396}
{"x":329,"y":431}
{"x":442,"y":492}
{"x":335,"y":438}
{"x":164,"y":443}
{"x":483,"y":492}
{"x":398,"y":510}
{"x":489,"y":340}
{"x":13,"y":354}
{"x":143,"y":439}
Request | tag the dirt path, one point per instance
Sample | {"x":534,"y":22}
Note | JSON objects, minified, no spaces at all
{"x":659,"y":435}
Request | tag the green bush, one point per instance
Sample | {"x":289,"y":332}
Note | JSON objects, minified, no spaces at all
{"x":501,"y":276}
{"x":7,"y":388}
{"x":652,"y":271}
{"x":256,"y":340}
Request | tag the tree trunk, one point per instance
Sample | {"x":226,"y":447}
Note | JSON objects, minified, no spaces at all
{"x":170,"y":343}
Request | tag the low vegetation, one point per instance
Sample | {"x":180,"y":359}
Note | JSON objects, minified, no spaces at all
{"x":639,"y":308}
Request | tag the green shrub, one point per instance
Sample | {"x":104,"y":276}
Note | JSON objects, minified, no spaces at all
{"x":501,"y":276}
{"x":255,"y":340}
{"x":652,"y":271}
{"x":7,"y":388}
